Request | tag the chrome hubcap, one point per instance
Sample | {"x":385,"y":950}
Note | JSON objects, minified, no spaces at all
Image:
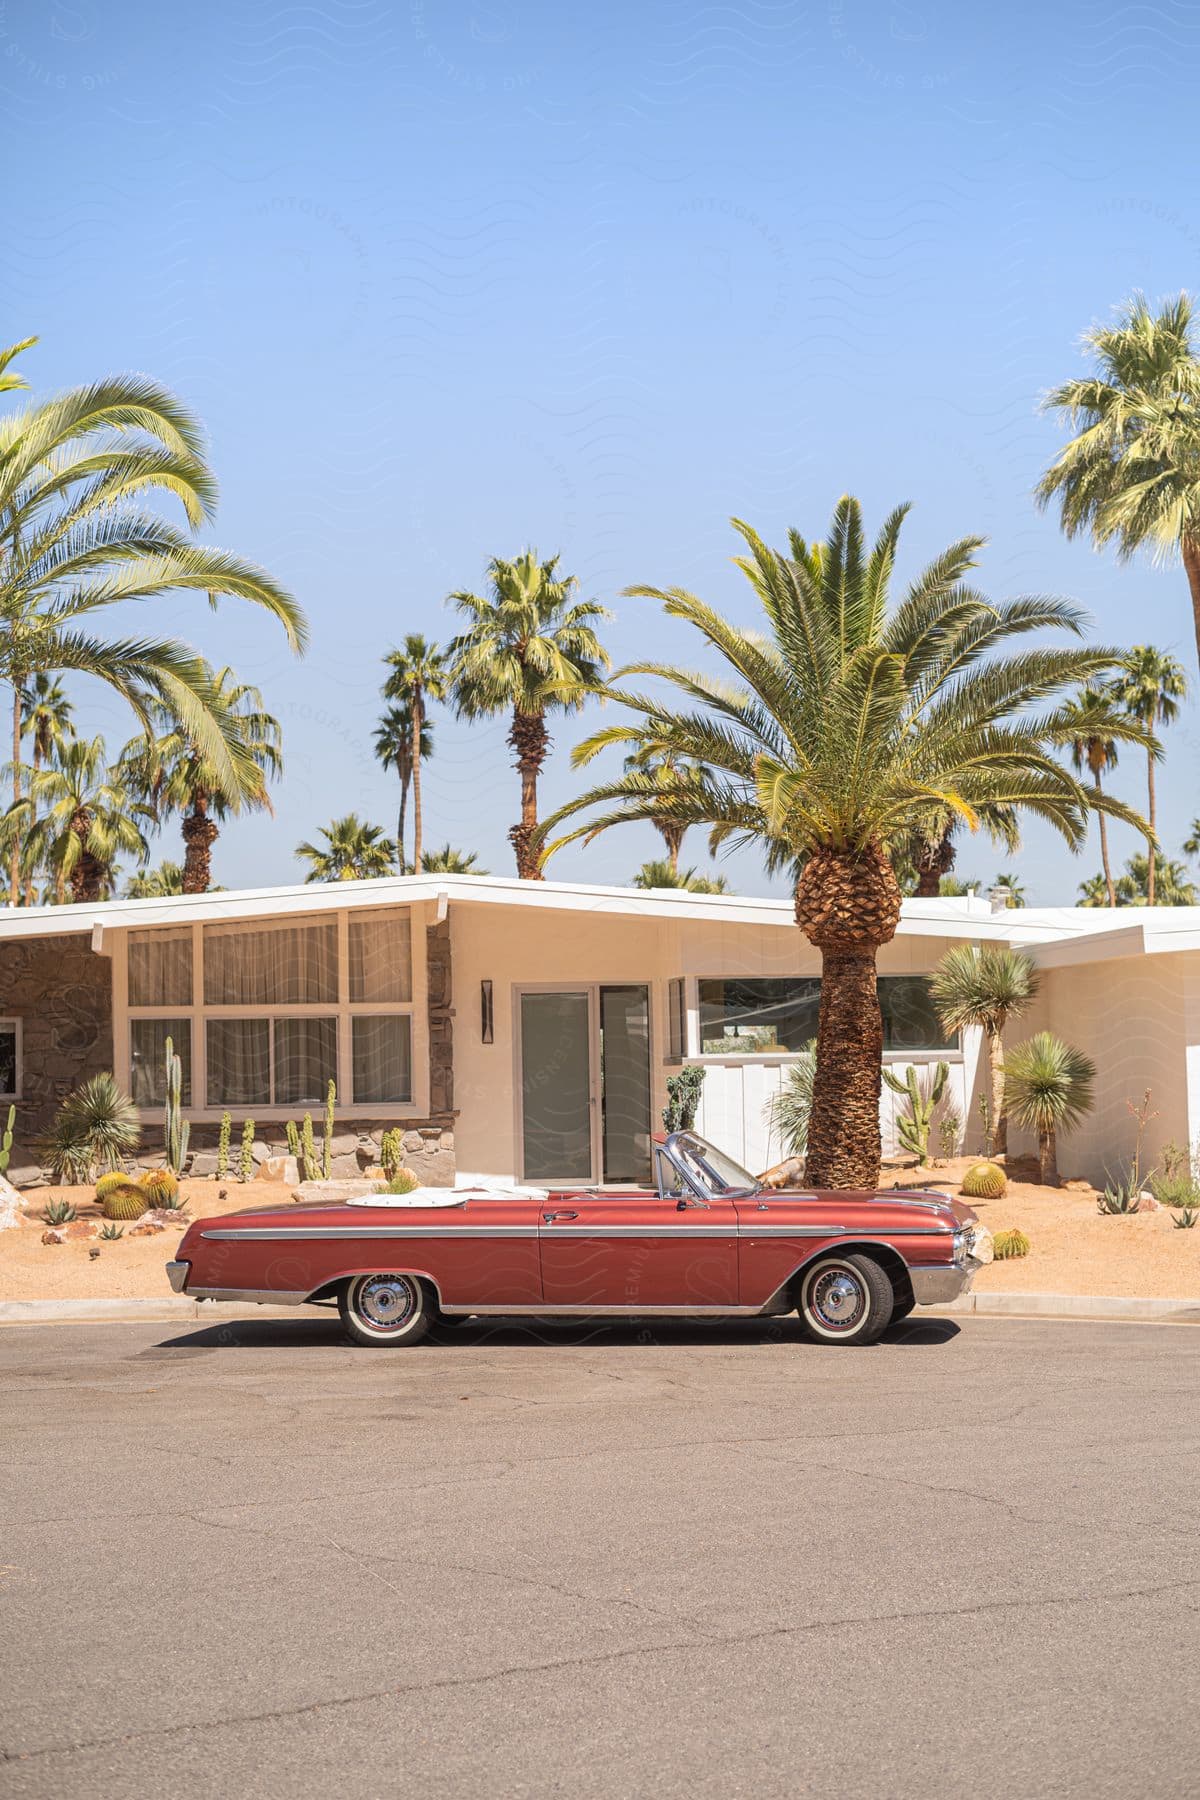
{"x":837,"y":1300}
{"x":385,"y":1302}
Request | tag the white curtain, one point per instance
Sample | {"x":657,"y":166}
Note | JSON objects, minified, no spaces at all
{"x":381,"y":957}
{"x":160,"y":968}
{"x":239,"y":1062}
{"x":289,"y":965}
{"x":305,"y":1060}
{"x":382,"y":1058}
{"x":147,"y":1055}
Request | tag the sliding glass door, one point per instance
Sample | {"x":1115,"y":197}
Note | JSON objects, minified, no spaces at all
{"x":584,"y":1083}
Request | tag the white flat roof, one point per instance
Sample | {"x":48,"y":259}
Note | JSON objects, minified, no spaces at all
{"x":1055,"y":934}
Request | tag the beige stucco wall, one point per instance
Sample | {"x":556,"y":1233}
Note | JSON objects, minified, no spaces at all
{"x":514,"y":947}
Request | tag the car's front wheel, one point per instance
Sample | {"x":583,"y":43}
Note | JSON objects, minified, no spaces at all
{"x":845,"y":1300}
{"x":381,"y":1310}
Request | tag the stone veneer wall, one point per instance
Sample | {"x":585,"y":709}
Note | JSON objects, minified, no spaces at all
{"x":62,"y":993}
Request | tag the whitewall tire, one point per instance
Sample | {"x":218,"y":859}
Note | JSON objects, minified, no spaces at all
{"x":845,"y":1300}
{"x":386,"y":1310}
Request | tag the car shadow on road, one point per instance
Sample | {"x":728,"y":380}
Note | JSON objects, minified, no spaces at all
{"x":312,"y":1333}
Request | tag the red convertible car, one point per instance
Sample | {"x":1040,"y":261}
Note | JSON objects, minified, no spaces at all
{"x":709,"y":1241}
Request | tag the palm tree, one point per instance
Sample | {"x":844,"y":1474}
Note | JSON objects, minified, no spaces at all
{"x":172,"y":773}
{"x":162,"y":883}
{"x":352,"y":851}
{"x":1049,"y":1089}
{"x":394,"y":748}
{"x":1092,"y":724}
{"x":663,"y":875}
{"x":75,"y":538}
{"x":668,"y":772}
{"x":450,"y":862}
{"x":850,"y":720}
{"x":419,"y":673}
{"x":1130,"y":475}
{"x":985,"y":986}
{"x":933,"y":849}
{"x":1150,"y":686}
{"x":1191,"y":843}
{"x":87,"y":819}
{"x":1010,"y":885}
{"x":1095,"y":892}
{"x":46,"y":721}
{"x":529,"y":647}
{"x":1173,"y":887}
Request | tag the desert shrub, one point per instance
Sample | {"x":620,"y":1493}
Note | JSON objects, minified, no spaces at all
{"x":984,"y":1181}
{"x":1007,"y":1244}
{"x":949,"y":1133}
{"x":683,"y":1098}
{"x":58,"y":1212}
{"x":126,"y":1201}
{"x":788,"y":1110}
{"x":95,"y":1127}
{"x":402,"y":1182}
{"x":1175,"y":1189}
{"x":161,"y":1188}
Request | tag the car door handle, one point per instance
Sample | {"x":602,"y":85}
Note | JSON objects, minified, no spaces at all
{"x":552,"y":1217}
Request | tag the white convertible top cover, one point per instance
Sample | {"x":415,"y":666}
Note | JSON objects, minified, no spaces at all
{"x":457,"y":1196}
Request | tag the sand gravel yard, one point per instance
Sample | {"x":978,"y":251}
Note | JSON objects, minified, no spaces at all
{"x":1074,"y":1249}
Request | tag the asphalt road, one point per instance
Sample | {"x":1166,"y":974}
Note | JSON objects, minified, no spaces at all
{"x":242,"y":1558}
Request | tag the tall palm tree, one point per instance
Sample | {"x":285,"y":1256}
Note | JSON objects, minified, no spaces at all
{"x":529,"y":647}
{"x":173,"y":774}
{"x":1191,"y":843}
{"x":419,"y":673}
{"x":450,"y":862}
{"x":46,"y":721}
{"x":668,"y":772}
{"x":352,"y":851}
{"x":663,"y":875}
{"x":1010,"y":886}
{"x":75,"y":538}
{"x":1130,"y":475}
{"x":985,"y":986}
{"x":1049,"y":1087}
{"x":933,"y":849}
{"x":1149,"y":686}
{"x":1173,"y":888}
{"x":394,"y":749}
{"x":1091,"y":725}
{"x":88,"y":818}
{"x":852,"y":716}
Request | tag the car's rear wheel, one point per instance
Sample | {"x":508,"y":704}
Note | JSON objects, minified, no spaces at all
{"x":845,"y":1300}
{"x":384,"y":1309}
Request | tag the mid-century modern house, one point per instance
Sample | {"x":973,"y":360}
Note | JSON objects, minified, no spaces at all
{"x":526,"y":1029}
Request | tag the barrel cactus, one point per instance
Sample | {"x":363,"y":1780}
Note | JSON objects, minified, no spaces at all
{"x":160,"y":1187}
{"x":1006,"y":1244}
{"x":110,"y":1183}
{"x":126,"y":1200}
{"x":984,"y":1181}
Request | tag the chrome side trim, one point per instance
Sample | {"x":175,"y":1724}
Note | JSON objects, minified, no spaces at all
{"x":177,"y":1274}
{"x":322,"y":1234}
{"x":547,"y":1310}
{"x":665,"y":1232}
{"x":778,"y":1231}
{"x":259,"y":1296}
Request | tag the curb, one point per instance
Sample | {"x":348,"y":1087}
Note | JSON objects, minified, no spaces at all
{"x":994,"y":1306}
{"x":1070,"y":1306}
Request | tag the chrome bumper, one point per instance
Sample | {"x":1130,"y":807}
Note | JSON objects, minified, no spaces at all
{"x":941,"y":1282}
{"x":177,"y":1274}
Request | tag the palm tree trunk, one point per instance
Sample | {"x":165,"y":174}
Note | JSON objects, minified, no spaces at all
{"x":417,"y":714}
{"x":199,"y":836}
{"x":996,"y":1070}
{"x":672,"y":837}
{"x":37,"y":763}
{"x":88,"y":874}
{"x":400,"y":822}
{"x":1107,"y":867}
{"x":1190,"y":548}
{"x":530,"y":742}
{"x":1047,"y":1159}
{"x":1150,"y":815}
{"x":14,"y":861}
{"x":932,"y":861}
{"x":848,"y":906}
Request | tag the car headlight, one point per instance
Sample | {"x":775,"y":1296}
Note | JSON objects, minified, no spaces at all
{"x":973,"y":1244}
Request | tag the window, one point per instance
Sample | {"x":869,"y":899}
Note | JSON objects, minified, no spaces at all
{"x":266,"y":1015}
{"x":10,"y":1059}
{"x":676,"y":1019}
{"x":755,"y":1016}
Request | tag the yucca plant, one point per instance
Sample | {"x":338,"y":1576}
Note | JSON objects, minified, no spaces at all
{"x":845,"y":717}
{"x":985,"y":986}
{"x":95,"y":1128}
{"x":1049,"y":1089}
{"x":790,"y":1108}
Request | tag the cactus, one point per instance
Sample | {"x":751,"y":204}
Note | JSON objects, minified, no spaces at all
{"x":327,"y":1145}
{"x":913,"y":1127}
{"x":160,"y":1188}
{"x":223,"y":1145}
{"x":176,"y":1127}
{"x":292,"y":1133}
{"x":683,"y":1098}
{"x":108,"y":1184}
{"x":310,"y":1164}
{"x":128,"y":1201}
{"x":402,"y":1182}
{"x":59,"y":1212}
{"x":246,"y":1160}
{"x":984,"y":1181}
{"x":1006,"y":1244}
{"x":391,"y":1149}
{"x":6,"y":1141}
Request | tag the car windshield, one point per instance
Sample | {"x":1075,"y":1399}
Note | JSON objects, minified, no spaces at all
{"x":712,"y":1171}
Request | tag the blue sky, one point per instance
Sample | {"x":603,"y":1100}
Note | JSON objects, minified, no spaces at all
{"x":446,"y":279}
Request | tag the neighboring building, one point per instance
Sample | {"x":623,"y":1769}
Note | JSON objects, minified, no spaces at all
{"x":527,"y":1029}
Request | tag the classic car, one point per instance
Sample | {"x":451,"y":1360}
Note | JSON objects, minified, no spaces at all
{"x":709,"y":1240}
